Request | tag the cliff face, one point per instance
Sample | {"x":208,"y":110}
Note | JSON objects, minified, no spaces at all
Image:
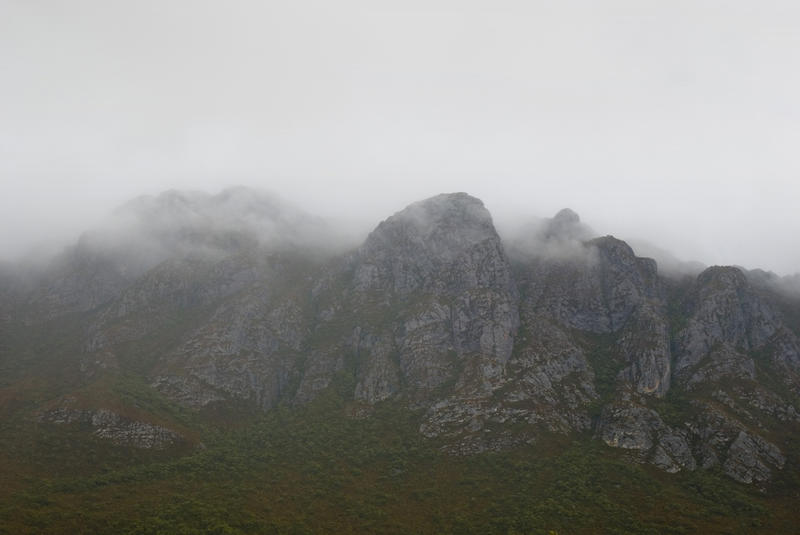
{"x":427,"y":299}
{"x":561,"y":333}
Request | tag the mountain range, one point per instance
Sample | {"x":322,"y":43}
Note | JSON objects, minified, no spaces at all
{"x":238,"y":302}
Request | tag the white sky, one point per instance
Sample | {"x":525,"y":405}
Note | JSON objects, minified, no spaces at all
{"x":677,"y":121}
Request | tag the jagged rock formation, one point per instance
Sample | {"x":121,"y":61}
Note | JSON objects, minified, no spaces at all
{"x":632,"y":427}
{"x":561,"y":332}
{"x":424,"y":311}
{"x":107,"y":424}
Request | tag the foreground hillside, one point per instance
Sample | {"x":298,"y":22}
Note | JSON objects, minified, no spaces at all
{"x":224,"y":363}
{"x":318,"y":469}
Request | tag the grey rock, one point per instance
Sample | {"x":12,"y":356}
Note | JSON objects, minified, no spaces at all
{"x":379,"y":373}
{"x":428,"y":293}
{"x":494,"y":348}
{"x":644,"y":343}
{"x":596,"y":293}
{"x":118,"y":429}
{"x":721,"y":362}
{"x":750,"y":458}
{"x":713,"y":431}
{"x":723,"y":309}
{"x":188,"y":391}
{"x":248,"y":349}
{"x":641,"y":429}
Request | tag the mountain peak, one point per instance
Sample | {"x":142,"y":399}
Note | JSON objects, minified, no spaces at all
{"x":723,"y":276}
{"x":439,"y":220}
{"x":448,"y":207}
{"x":566,"y":225}
{"x":412,"y":245}
{"x":566,"y":215}
{"x":219,"y":304}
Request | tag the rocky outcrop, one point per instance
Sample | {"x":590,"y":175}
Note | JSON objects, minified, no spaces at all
{"x":596,"y":292}
{"x":79,"y":280}
{"x":752,"y":459}
{"x":732,"y":330}
{"x":248,"y":348}
{"x":545,"y":387}
{"x":732,"y":339}
{"x":427,"y":297}
{"x":640,"y":429}
{"x":111,"y":426}
{"x":645,"y":345}
{"x":723,"y":312}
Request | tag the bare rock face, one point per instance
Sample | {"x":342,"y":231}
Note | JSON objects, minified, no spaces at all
{"x":165,"y":293}
{"x":564,"y":333}
{"x":607,"y":289}
{"x":380,"y":372}
{"x":599,"y":288}
{"x":546,"y":387}
{"x":637,"y":428}
{"x":645,"y":344}
{"x":721,"y":439}
{"x":724,"y":311}
{"x":731,"y":331}
{"x":752,"y":459}
{"x":109,"y":425}
{"x":596,"y":291}
{"x":428,"y":296}
{"x":732,"y":337}
{"x":80,"y":279}
{"x":444,"y":244}
{"x":248,"y":348}
{"x":551,"y":379}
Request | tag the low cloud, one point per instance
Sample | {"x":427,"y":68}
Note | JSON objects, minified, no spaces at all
{"x":561,"y":238}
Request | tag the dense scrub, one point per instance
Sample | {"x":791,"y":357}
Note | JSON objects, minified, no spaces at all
{"x":320,"y":469}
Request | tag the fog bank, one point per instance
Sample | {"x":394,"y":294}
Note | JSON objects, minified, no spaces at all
{"x":670,"y":122}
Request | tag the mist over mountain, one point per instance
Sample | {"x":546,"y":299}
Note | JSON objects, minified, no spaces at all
{"x":186,"y":310}
{"x":177,"y":222}
{"x":594,"y":329}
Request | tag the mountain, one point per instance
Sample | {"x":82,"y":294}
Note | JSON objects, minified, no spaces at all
{"x":205,"y":305}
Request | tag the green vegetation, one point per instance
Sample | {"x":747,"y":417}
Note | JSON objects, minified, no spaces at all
{"x":334,"y":466}
{"x":603,"y":355}
{"x":316,"y":469}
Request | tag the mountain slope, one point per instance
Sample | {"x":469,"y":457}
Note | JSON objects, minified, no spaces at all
{"x":196,"y":309}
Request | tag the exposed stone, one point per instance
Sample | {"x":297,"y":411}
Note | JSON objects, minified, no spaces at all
{"x":750,"y":458}
{"x":645,"y":345}
{"x":637,"y":428}
{"x":118,"y":429}
{"x":432,"y":312}
{"x":723,"y":309}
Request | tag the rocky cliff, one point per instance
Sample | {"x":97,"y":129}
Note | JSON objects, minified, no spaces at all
{"x":235,"y":300}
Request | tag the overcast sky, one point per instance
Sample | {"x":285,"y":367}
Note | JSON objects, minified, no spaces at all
{"x":677,"y":121}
